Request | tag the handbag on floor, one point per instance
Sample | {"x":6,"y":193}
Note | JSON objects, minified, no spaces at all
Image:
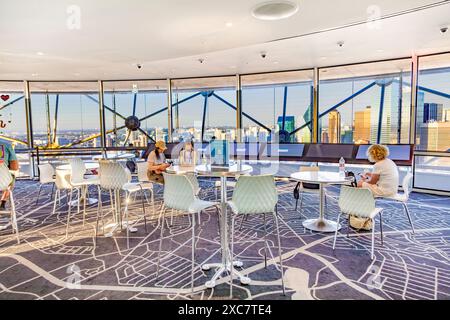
{"x":360,"y":223}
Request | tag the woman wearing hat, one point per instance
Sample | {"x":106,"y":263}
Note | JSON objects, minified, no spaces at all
{"x":157,"y":163}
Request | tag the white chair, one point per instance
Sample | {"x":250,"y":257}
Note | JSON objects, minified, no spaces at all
{"x":46,"y":176}
{"x":62,"y":183}
{"x":360,"y":203}
{"x":6,"y":180}
{"x":255,"y":195}
{"x":114,"y":177}
{"x":80,"y":182}
{"x":307,"y":188}
{"x":404,"y":197}
{"x":180,"y":194}
{"x":144,"y":183}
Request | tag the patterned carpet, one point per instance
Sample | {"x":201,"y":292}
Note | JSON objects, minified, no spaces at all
{"x":47,"y":265}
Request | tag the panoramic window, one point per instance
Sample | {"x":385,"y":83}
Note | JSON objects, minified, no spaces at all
{"x":433,"y":104}
{"x":277,"y":106}
{"x":13,"y":127}
{"x":365,"y":103}
{"x":65,"y":114}
{"x":433,"y":123}
{"x":204,"y":108}
{"x":144,"y":100}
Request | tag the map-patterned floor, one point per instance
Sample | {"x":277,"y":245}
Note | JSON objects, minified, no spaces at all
{"x":49,"y":265}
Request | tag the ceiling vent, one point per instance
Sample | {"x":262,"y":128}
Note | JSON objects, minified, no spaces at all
{"x":275,"y":10}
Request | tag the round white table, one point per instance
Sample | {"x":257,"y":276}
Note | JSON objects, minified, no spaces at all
{"x":223,"y":173}
{"x":64,"y":172}
{"x":321,"y":178}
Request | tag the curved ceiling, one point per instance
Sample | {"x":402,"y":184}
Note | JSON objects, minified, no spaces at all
{"x":39,"y":40}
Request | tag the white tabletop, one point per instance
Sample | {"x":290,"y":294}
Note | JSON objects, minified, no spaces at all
{"x":231,"y":171}
{"x":320,"y":177}
{"x":89,"y":165}
{"x":180,"y":169}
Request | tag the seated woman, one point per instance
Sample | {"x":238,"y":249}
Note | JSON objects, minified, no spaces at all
{"x":383,"y":180}
{"x":188,"y":156}
{"x":156,"y":163}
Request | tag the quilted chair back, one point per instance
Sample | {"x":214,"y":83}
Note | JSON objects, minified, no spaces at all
{"x":5,"y":177}
{"x":179,"y":192}
{"x":46,"y":173}
{"x":255,"y":194}
{"x":407,"y":185}
{"x":78,"y":169}
{"x":356,"y":201}
{"x":112,"y":175}
{"x":142,"y":171}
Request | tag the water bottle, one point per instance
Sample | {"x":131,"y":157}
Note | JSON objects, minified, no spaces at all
{"x":342,"y":167}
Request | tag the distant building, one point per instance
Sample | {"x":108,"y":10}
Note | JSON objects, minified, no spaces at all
{"x":334,"y":126}
{"x":433,"y":112}
{"x":435,"y":136}
{"x":362,"y":125}
{"x":289,"y":125}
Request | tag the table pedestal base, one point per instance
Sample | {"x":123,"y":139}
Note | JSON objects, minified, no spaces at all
{"x":221,"y":268}
{"x":321,"y":225}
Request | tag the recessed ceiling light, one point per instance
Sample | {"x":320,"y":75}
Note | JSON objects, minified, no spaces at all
{"x":34,"y":74}
{"x":40,"y":53}
{"x":275,"y":10}
{"x":380,"y":50}
{"x":323,"y":58}
{"x":229,"y":24}
{"x":275,"y":62}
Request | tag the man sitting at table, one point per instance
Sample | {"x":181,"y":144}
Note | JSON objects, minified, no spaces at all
{"x":383,"y":180}
{"x":9,"y":159}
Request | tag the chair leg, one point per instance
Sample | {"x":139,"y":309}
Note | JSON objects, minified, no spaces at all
{"x":111,"y":200}
{"x":39,"y":192}
{"x":127,"y":200}
{"x":163,"y":211}
{"x":193,"y":252}
{"x":381,"y":227}
{"x":14,"y":216}
{"x":265,"y":241}
{"x":409,"y":217}
{"x":99,"y":209}
{"x":54,"y":201}
{"x":143,"y":210}
{"x":171,"y":217}
{"x":336,"y":232}
{"x":232,"y":256}
{"x":373,"y":240}
{"x":68,"y":213}
{"x":78,"y":200}
{"x":84,"y":203}
{"x":275,"y":216}
{"x":301,"y":202}
{"x":244,"y":218}
{"x":153,"y":201}
{"x":53,"y":191}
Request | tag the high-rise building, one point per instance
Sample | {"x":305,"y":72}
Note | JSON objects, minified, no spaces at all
{"x":362,"y":123}
{"x":334,"y":127}
{"x":433,"y":112}
{"x":289,"y":125}
{"x":435,"y":136}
